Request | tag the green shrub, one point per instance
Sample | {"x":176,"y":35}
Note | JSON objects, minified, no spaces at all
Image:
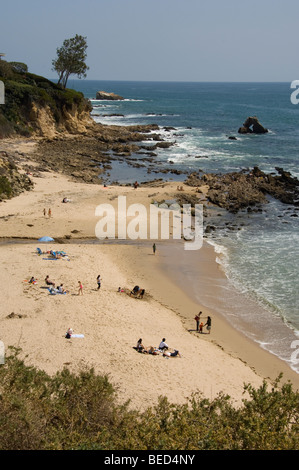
{"x":22,"y":89}
{"x":5,"y":187}
{"x":19,"y":67}
{"x":81,"y":412}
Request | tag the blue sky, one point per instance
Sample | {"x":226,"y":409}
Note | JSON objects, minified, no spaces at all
{"x":160,"y":40}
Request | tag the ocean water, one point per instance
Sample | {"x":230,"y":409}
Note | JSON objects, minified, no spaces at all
{"x":261,"y":259}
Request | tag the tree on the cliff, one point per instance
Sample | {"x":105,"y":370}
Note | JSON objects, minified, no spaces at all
{"x":70,"y":59}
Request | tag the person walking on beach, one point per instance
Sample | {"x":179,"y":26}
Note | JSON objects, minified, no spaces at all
{"x":154,"y":248}
{"x":80,"y":292}
{"x":49,"y":213}
{"x":208,"y":324}
{"x":99,"y":281}
{"x":44,"y":212}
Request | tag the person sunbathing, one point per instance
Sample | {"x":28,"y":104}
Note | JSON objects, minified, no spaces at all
{"x":69,"y":333}
{"x":171,"y":354}
{"x":48,"y":282}
{"x":135,"y":290}
{"x":61,"y":289}
{"x":140,"y":293}
{"x":153,"y":351}
{"x":140,"y":347}
{"x":163,"y":345}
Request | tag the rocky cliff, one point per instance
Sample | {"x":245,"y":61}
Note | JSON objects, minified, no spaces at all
{"x":35,"y":106}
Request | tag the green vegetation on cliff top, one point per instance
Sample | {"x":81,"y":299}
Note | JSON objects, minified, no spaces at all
{"x":23,"y":90}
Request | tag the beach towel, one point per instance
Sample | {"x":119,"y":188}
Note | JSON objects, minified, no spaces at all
{"x":77,"y":336}
{"x":55,"y":291}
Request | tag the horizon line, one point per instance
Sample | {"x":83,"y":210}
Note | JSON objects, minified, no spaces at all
{"x":170,"y":81}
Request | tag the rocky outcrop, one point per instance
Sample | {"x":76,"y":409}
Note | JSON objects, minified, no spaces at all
{"x":12,"y":182}
{"x":86,"y":157}
{"x":246,"y":189}
{"x":72,"y":121}
{"x":252,"y":126}
{"x":103,"y":95}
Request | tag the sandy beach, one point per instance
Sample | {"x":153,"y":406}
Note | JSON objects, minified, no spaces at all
{"x":112,"y":321}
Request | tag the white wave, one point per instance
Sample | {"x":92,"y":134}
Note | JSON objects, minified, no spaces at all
{"x":219,"y":249}
{"x":134,"y":116}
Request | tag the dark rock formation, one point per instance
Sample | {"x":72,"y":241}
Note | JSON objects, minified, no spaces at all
{"x":252,"y":126}
{"x":87,"y":157}
{"x":103,"y":95}
{"x":246,"y":189}
{"x":12,"y":182}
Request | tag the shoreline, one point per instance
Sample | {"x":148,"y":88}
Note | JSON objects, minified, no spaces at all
{"x":167,"y":288}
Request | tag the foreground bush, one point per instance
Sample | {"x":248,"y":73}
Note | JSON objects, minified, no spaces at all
{"x":69,"y":411}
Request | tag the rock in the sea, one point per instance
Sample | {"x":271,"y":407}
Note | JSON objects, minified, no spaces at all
{"x":252,"y":126}
{"x":103,"y":95}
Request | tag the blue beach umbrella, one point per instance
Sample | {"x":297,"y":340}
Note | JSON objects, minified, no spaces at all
{"x":46,"y":239}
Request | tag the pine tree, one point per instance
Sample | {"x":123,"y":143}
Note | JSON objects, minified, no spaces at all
{"x":70,"y":59}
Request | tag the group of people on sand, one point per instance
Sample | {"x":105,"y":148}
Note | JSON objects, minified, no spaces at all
{"x":57,"y":290}
{"x":61,"y":289}
{"x":137,"y":292}
{"x":49,"y":213}
{"x":162,"y":349}
{"x":200,"y":325}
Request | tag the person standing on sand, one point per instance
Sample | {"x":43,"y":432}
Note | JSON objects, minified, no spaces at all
{"x":208,"y":324}
{"x":99,"y":281}
{"x":80,"y":292}
{"x":45,"y":212}
{"x":154,"y":248}
{"x":49,"y":213}
{"x":197,"y":319}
